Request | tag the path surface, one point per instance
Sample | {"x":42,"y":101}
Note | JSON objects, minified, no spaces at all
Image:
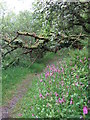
{"x":5,"y":111}
{"x":21,"y":91}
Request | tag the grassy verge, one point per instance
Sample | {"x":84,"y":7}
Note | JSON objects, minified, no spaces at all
{"x":59,"y":92}
{"x":15,"y":75}
{"x":10,"y":78}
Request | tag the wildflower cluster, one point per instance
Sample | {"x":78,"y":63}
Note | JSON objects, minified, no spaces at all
{"x":62,"y":90}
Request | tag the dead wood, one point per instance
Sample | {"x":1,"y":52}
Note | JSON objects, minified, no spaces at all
{"x":40,"y":42}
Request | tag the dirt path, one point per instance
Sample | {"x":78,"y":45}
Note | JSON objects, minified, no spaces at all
{"x":21,"y":91}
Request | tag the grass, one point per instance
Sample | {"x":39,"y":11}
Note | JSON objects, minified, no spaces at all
{"x":14,"y":75}
{"x":61,"y":91}
{"x":10,"y":79}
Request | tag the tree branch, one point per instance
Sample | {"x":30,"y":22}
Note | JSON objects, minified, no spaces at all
{"x":32,"y":35}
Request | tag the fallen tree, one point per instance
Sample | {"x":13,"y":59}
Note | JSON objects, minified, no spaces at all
{"x":40,"y":45}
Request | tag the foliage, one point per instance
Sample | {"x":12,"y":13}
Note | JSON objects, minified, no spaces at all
{"x":55,"y":20}
{"x":60,"y":92}
{"x":16,"y":74}
{"x":61,"y":16}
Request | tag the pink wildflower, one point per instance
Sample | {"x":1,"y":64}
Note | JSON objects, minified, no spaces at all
{"x":40,"y":95}
{"x":51,"y":74}
{"x":71,"y":102}
{"x":19,"y":114}
{"x":56,"y":94}
{"x":41,"y":80}
{"x":55,"y":70}
{"x":76,"y":84}
{"x":62,"y":69}
{"x":81,"y":117}
{"x":62,"y":83}
{"x":56,"y":101}
{"x":32,"y":114}
{"x":75,"y":65}
{"x":88,"y":58}
{"x":81,"y":61}
{"x":84,"y":58}
{"x":60,"y":101}
{"x":89,"y":101}
{"x":77,"y":76}
{"x":46,"y":74}
{"x":47,"y":66}
{"x":58,"y":71}
{"x":72,"y":68}
{"x":59,"y":82}
{"x":71,"y":72}
{"x":85,"y":110}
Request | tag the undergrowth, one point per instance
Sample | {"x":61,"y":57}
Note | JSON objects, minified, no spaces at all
{"x":14,"y":75}
{"x":61,"y":91}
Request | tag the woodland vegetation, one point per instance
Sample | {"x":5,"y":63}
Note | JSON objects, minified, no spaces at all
{"x":52,"y":26}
